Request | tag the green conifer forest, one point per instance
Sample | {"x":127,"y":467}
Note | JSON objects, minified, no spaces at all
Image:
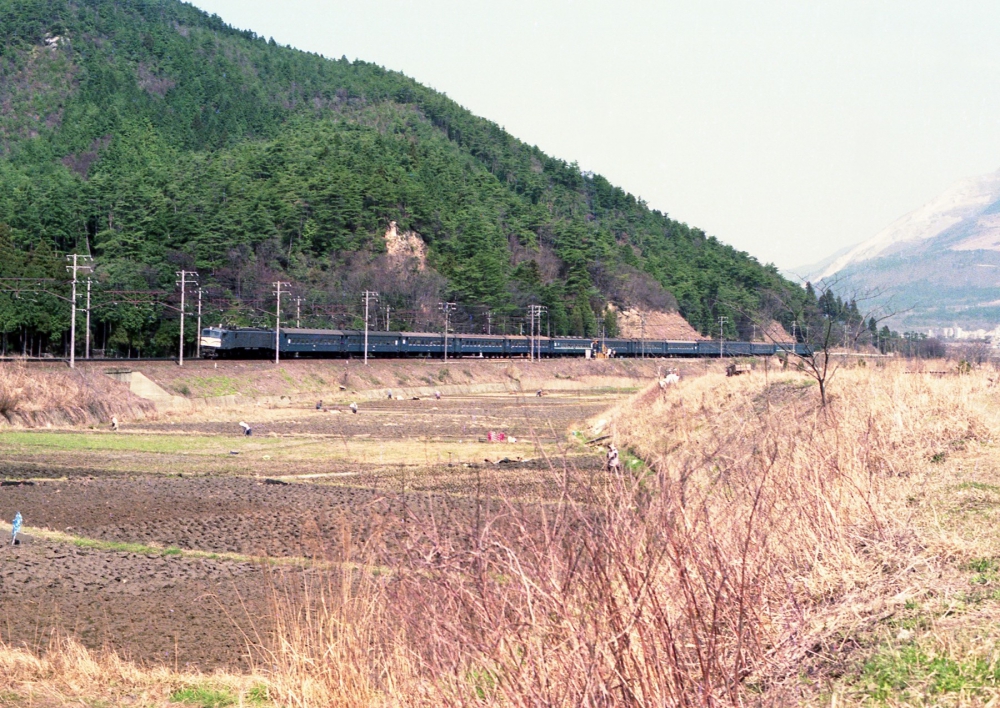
{"x":156,"y":138}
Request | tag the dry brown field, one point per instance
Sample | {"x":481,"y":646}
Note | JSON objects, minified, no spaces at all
{"x":758,"y":549}
{"x":165,"y":540}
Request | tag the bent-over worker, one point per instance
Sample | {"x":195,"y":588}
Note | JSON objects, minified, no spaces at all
{"x":614,"y":464}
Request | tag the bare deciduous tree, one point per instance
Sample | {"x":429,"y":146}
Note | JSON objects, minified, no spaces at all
{"x":833,"y":323}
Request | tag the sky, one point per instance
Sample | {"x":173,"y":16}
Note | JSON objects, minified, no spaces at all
{"x":787,"y":128}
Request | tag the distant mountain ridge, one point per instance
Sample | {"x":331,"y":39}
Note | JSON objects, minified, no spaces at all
{"x":963,"y":211}
{"x":939,"y":264}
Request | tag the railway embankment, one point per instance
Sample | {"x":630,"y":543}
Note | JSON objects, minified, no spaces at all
{"x":33,"y":398}
{"x":202,"y":385}
{"x":49,"y":394}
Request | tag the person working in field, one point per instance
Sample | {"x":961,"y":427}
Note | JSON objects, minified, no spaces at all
{"x":614,"y":464}
{"x":247,"y":430}
{"x":114,"y":423}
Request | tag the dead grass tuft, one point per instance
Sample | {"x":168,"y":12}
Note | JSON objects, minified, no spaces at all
{"x":69,"y":674}
{"x":37,"y":398}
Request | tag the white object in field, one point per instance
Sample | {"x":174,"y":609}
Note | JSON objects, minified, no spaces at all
{"x":437,"y":395}
{"x":669,"y":380}
{"x":114,"y":422}
{"x":354,"y":407}
{"x":246,"y":428}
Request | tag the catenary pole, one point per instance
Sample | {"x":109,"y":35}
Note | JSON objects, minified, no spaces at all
{"x":446,"y":307}
{"x":277,"y":320}
{"x":722,"y":335}
{"x":531,"y":333}
{"x":183,"y":275}
{"x":74,"y":268}
{"x":642,"y":333}
{"x":197,"y":339}
{"x":86,"y":348}
{"x":369,"y":295}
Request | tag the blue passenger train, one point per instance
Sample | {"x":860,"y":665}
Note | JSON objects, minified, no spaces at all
{"x":249,"y":343}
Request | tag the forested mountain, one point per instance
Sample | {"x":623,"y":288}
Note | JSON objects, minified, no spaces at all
{"x":157,"y":138}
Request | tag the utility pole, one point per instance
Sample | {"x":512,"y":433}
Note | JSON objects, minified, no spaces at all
{"x":197,"y":341}
{"x":298,"y":312}
{"x":183,"y":275}
{"x":86,"y":349}
{"x":387,"y":317}
{"x":277,"y":320}
{"x":535,"y":317}
{"x":539,"y":311}
{"x":722,"y":335}
{"x":447,"y":308}
{"x":369,"y":295}
{"x":489,"y":322}
{"x":754,"y":338}
{"x":642,"y":332}
{"x":531,"y":332}
{"x":76,"y":267}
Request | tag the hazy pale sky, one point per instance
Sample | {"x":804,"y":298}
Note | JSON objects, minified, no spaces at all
{"x":788,"y":128}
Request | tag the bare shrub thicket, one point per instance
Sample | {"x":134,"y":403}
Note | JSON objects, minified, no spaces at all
{"x":708,"y":575}
{"x":31,"y":398}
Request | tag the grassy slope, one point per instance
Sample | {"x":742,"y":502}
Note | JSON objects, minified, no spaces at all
{"x":896,"y":604}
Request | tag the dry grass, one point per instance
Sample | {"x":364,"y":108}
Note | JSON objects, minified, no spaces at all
{"x":70,"y":675}
{"x":761,"y":550}
{"x":39,"y":398}
{"x":755,"y":534}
